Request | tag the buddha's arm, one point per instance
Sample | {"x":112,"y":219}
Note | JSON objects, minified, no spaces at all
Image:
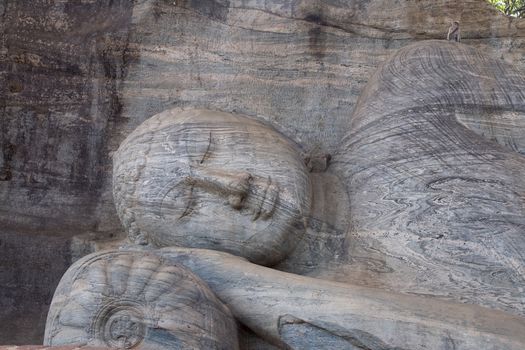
{"x":280,"y":307}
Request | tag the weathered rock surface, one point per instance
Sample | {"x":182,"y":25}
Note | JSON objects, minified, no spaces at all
{"x":80,"y":76}
{"x":147,"y":300}
{"x":61,"y":65}
{"x":40,"y":347}
{"x":30,"y":269}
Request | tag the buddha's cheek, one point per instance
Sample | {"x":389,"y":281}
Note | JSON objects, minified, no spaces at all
{"x":209,"y":222}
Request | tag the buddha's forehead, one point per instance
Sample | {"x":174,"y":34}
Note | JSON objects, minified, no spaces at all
{"x":200,"y":116}
{"x":239,"y":138}
{"x":224,"y":131}
{"x":200,"y":138}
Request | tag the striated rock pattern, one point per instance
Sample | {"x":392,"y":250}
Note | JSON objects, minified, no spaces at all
{"x":434,"y":165}
{"x":30,"y":269}
{"x":40,"y":347}
{"x":206,"y":179}
{"x":432,"y":168}
{"x":61,"y":64}
{"x":137,"y":300}
{"x":79,"y":76}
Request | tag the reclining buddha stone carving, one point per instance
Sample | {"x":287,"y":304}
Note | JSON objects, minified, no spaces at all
{"x":438,"y":204}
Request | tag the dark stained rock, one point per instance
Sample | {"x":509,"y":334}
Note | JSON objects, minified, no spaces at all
{"x":62,"y":64}
{"x":31,"y":267}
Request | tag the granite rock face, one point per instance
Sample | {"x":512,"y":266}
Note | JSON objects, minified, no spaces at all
{"x":80,"y":76}
{"x":31,"y":267}
{"x":432,"y":166}
{"x":62,"y":64}
{"x":298,"y":312}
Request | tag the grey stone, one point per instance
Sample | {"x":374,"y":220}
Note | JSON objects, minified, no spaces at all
{"x":434,"y":170}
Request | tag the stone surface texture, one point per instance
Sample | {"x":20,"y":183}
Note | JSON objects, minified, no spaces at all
{"x":81,"y":76}
{"x":437,"y":130}
{"x":78,"y":77}
{"x":41,"y":347}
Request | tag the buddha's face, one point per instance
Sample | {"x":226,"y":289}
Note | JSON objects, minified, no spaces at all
{"x":212,"y":180}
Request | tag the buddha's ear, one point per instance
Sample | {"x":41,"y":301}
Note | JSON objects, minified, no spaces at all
{"x":300,"y":334}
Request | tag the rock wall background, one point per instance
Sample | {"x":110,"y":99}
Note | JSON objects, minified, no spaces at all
{"x":79,"y":76}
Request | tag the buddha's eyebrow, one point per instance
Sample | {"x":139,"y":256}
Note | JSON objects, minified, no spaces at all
{"x":208,"y":149}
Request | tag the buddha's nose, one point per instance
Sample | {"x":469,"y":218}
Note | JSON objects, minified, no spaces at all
{"x":233,"y":186}
{"x":242,"y":190}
